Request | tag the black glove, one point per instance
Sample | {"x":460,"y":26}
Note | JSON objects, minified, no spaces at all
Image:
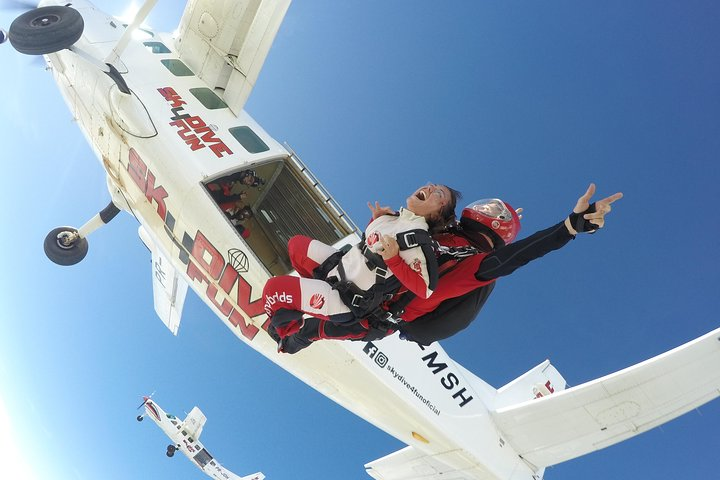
{"x":580,"y":224}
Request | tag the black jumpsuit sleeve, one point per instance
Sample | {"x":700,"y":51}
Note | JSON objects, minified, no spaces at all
{"x":505,"y":260}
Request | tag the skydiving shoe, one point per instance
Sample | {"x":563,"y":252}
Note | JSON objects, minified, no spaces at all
{"x":283,"y":317}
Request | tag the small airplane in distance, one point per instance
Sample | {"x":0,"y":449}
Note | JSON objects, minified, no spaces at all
{"x":186,"y":438}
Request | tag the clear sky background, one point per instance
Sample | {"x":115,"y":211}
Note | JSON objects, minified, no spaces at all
{"x":529,"y":101}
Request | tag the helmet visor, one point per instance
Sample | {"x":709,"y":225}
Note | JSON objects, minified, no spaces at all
{"x":492,"y":208}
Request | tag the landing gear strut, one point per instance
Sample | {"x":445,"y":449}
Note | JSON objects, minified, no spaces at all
{"x":67,"y":245}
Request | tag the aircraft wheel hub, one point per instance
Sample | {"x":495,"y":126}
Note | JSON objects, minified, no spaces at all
{"x":44,"y":20}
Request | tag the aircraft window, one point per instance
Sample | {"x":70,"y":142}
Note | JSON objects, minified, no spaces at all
{"x":156,"y":47}
{"x":190,"y":439}
{"x":184,"y":433}
{"x":273,"y":202}
{"x":174,"y":422}
{"x":208,"y":98}
{"x":202,"y":458}
{"x":177,"y":67}
{"x":247,"y":138}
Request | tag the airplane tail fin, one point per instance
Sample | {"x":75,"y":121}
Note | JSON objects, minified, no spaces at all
{"x":541,"y":381}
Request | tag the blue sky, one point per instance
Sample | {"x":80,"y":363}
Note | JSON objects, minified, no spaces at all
{"x":527,"y":101}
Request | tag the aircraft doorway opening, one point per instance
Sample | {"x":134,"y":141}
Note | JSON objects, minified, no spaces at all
{"x":269,"y":203}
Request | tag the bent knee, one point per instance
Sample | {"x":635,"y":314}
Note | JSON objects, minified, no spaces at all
{"x":299,"y":242}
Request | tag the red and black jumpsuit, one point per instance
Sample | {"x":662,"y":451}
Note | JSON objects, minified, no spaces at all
{"x":423,"y":317}
{"x":288,"y":297}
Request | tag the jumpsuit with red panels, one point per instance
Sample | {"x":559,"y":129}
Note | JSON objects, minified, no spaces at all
{"x":288,"y":297}
{"x":478,"y":271}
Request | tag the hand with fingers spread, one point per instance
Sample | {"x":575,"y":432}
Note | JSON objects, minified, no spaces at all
{"x":378,"y":211}
{"x":390,"y":247}
{"x":587,"y":217}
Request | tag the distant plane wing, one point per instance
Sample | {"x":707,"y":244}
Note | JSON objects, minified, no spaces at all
{"x":605,"y":411}
{"x":225,"y":43}
{"x":194,"y":423}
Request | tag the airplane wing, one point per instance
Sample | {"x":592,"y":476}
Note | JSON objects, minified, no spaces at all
{"x":169,"y":288}
{"x":169,"y":291}
{"x":605,"y":411}
{"x":225,"y":43}
{"x":412,"y":464}
{"x":194,"y":423}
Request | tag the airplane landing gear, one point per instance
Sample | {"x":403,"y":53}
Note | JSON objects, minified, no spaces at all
{"x":46,"y":30}
{"x":140,"y":418}
{"x":171,"y":450}
{"x":67,"y":245}
{"x":64,"y":246}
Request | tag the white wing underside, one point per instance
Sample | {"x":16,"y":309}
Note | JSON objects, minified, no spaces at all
{"x":605,"y":411}
{"x":225,"y":43}
{"x":169,"y":291}
{"x":412,"y":464}
{"x":194,"y":423}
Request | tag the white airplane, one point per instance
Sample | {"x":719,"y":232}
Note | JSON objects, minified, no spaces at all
{"x":185,"y":436}
{"x":164,"y":115}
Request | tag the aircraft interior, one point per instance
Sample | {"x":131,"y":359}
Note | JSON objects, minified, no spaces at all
{"x":271,"y":202}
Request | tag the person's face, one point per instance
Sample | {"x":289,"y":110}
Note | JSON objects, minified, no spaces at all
{"x":493,"y":208}
{"x":429,"y":200}
{"x":248,"y":180}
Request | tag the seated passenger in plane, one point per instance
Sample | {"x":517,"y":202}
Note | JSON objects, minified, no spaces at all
{"x":238,"y":213}
{"x":232,"y":187}
{"x":473,"y":253}
{"x":343,"y":287}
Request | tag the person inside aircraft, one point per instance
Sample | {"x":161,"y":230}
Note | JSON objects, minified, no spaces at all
{"x":237,"y":213}
{"x":250,"y":178}
{"x":344,"y":286}
{"x":233,"y":187}
{"x":473,"y":253}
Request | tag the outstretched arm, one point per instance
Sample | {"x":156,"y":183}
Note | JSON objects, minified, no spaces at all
{"x":505,"y":260}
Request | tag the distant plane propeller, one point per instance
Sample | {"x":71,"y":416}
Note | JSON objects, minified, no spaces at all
{"x":145,"y":399}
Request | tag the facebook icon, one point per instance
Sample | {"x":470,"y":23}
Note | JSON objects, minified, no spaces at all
{"x":373,"y":352}
{"x":370,"y":349}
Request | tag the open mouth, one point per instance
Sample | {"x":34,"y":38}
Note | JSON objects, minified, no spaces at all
{"x":421,"y":195}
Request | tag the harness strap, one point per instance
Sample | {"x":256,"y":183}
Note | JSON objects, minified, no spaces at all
{"x":331,"y":262}
{"x":363,"y":303}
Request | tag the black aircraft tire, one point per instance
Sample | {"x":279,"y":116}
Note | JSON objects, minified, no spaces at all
{"x":65,"y":255}
{"x":46,"y":30}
